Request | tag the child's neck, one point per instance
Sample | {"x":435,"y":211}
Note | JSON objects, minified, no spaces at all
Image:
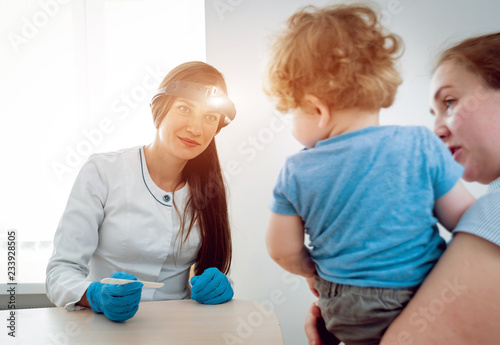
{"x":349,"y":120}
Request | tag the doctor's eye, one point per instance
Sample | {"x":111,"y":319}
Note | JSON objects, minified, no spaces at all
{"x":184,"y":109}
{"x":212,"y":117}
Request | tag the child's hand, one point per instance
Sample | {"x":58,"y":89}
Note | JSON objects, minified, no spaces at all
{"x":310,"y":282}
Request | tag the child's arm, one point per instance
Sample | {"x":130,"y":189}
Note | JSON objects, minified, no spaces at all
{"x":285,"y":244}
{"x":451,"y":206}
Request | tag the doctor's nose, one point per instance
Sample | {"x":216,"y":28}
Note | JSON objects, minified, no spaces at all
{"x":195,"y":126}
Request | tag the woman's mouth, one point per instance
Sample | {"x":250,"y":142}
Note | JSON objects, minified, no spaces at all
{"x":455,"y":151}
{"x":188,"y":142}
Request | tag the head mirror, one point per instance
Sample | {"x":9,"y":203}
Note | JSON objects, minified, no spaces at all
{"x":211,"y":96}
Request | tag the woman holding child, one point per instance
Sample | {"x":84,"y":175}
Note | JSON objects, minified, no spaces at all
{"x":465,"y":100}
{"x":458,"y":303}
{"x":368,"y":196}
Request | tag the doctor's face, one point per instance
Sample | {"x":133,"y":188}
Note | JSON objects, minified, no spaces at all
{"x":467,"y":119}
{"x":188,"y":128}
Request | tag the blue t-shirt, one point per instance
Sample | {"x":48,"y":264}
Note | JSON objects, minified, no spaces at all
{"x":366,"y":199}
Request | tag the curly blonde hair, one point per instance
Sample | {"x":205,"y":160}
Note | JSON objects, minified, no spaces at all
{"x":338,"y":53}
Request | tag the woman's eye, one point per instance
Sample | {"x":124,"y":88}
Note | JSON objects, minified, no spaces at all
{"x":184,"y":109}
{"x":211,"y":118}
{"x":448,"y":102}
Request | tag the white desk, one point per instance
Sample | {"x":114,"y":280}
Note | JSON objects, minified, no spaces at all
{"x":165,"y":322}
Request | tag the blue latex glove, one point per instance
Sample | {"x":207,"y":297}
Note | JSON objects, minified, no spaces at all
{"x":212,"y":287}
{"x":117,"y":302}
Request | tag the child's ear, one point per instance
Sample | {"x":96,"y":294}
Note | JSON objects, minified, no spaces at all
{"x":320,"y":108}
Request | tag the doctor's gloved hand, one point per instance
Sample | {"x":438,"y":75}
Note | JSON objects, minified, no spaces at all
{"x":117,"y":302}
{"x":211,"y":287}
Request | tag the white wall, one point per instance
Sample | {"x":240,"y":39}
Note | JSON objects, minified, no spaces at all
{"x":254,"y":147}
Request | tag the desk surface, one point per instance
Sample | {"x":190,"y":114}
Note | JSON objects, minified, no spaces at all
{"x":162,"y":322}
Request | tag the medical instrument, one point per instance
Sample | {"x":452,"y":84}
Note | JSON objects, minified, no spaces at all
{"x":126,"y":281}
{"x":214,"y":98}
{"x":118,"y":302}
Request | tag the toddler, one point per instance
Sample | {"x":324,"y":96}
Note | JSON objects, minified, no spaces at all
{"x":368,"y":196}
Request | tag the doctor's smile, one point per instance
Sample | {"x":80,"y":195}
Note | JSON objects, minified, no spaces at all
{"x":188,"y":142}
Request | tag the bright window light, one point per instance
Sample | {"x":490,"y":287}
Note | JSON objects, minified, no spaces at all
{"x":76,"y":78}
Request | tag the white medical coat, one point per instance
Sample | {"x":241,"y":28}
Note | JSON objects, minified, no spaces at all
{"x":118,"y":219}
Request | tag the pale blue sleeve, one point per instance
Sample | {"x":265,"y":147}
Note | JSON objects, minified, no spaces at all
{"x":483,"y":217}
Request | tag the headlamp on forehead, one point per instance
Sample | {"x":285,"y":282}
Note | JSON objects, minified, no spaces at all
{"x":214,"y":99}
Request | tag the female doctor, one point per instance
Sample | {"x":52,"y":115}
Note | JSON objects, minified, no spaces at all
{"x":151,"y":212}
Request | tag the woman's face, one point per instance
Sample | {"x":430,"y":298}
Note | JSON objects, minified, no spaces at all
{"x":467,"y":119}
{"x":188,"y":128}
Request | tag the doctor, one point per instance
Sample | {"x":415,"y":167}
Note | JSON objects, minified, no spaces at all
{"x":151,"y":212}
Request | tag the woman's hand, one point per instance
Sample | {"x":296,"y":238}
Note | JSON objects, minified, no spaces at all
{"x":211,"y":287}
{"x":315,"y":329}
{"x":311,"y":325}
{"x":310,"y":282}
{"x":117,"y":302}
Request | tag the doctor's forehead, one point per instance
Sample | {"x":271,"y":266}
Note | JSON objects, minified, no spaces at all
{"x":196,"y":105}
{"x":187,"y":101}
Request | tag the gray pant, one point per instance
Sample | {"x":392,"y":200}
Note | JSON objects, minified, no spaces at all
{"x":359,"y":315}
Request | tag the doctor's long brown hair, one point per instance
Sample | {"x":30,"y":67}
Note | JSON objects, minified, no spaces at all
{"x":206,"y":204}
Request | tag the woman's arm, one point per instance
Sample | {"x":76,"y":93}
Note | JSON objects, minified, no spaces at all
{"x":285,"y":244}
{"x":84,"y":301}
{"x":458,"y":303}
{"x":450,"y":207}
{"x":76,"y":239}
